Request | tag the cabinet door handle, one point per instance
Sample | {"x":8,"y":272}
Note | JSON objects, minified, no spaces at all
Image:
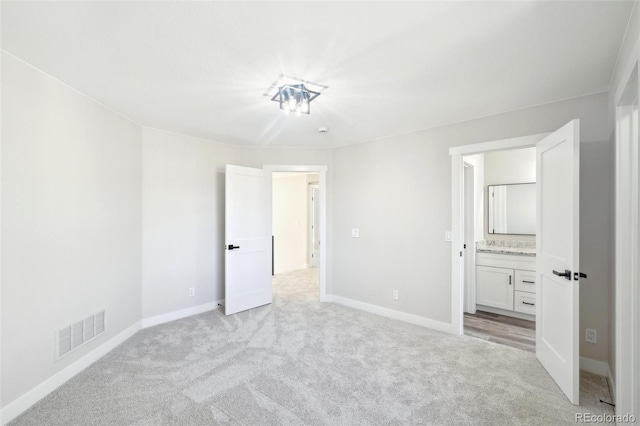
{"x":509,"y":279}
{"x":528,"y":282}
{"x":527,"y":303}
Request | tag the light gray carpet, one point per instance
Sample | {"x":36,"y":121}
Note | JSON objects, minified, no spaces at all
{"x":300,"y":362}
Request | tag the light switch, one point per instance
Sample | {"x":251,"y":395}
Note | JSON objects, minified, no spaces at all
{"x":447,"y":236}
{"x":355,"y":233}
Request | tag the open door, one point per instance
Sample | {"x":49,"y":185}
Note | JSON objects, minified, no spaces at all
{"x":247,"y":238}
{"x":557,"y":271}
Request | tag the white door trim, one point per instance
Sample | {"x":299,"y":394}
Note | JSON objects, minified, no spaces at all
{"x":627,"y":247}
{"x":322,"y":172}
{"x":457,"y":214}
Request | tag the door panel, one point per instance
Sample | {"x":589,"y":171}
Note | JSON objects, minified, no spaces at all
{"x":248,"y":229}
{"x":557,"y":241}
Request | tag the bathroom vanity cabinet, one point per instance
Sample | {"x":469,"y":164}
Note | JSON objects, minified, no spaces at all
{"x":506,"y":282}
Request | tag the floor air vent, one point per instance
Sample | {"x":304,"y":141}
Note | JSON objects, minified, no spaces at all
{"x":77,"y":334}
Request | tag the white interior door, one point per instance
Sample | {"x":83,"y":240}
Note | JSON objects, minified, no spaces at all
{"x":247,"y":238}
{"x":557,"y":315}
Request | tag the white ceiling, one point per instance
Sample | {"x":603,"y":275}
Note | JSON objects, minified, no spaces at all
{"x":202,"y":68}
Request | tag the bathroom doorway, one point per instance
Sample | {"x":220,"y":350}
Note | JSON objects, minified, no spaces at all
{"x":498,"y":203}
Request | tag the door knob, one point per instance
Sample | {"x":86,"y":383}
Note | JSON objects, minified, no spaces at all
{"x":231,"y":247}
{"x":566,"y":274}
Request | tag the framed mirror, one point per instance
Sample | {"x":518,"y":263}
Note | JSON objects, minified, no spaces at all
{"x":512,"y":209}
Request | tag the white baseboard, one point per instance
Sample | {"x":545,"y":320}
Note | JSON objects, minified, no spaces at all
{"x":17,"y":407}
{"x":596,"y":367}
{"x":393,"y":314}
{"x":183,"y":313}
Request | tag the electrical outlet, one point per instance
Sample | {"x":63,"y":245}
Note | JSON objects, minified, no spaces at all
{"x":590,"y":335}
{"x":192,"y":291}
{"x":395,"y":294}
{"x":355,"y":233}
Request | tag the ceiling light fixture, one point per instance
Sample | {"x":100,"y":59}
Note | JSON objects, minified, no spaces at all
{"x":295,"y":98}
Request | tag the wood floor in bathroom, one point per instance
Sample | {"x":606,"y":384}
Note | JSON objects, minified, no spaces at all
{"x":514,"y":332}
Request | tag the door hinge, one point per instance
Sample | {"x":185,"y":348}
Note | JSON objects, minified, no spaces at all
{"x":460,"y":254}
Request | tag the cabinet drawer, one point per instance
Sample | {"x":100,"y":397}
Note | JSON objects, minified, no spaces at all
{"x":526,"y":281}
{"x":524,"y":302}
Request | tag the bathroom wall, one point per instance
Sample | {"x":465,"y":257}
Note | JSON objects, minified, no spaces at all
{"x":506,"y":167}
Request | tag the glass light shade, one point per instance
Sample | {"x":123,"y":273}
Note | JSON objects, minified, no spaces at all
{"x":295,"y":98}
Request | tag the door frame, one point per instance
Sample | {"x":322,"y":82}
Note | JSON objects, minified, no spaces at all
{"x":627,"y":253}
{"x":457,"y":213}
{"x":321,"y":171}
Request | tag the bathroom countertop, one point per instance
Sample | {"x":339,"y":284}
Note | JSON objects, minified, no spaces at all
{"x":508,"y":250}
{"x":518,"y":248}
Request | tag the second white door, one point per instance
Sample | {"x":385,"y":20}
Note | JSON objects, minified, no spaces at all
{"x":557,"y":260}
{"x":247,"y":238}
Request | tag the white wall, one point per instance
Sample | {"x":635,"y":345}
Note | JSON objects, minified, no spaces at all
{"x":182,"y":220}
{"x":397,"y":191}
{"x":504,"y":167}
{"x":290,"y":222}
{"x":595,"y":211}
{"x":71,"y":231}
{"x":514,"y":166}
